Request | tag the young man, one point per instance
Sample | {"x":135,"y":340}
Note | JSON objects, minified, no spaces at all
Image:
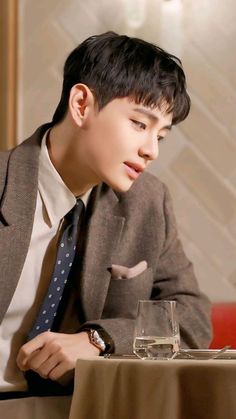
{"x":120,"y":97}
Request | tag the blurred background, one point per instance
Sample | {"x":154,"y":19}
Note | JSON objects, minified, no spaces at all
{"x":198,"y":161}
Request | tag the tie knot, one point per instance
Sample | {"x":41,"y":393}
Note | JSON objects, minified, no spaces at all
{"x":72,"y":217}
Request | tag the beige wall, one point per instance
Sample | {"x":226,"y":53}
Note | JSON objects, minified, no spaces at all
{"x":198,"y":161}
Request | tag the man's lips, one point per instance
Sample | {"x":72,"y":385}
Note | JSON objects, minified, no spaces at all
{"x":134,"y":169}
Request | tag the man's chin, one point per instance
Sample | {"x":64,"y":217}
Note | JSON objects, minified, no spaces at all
{"x":121,"y":187}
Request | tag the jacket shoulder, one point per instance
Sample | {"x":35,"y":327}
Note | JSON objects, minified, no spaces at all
{"x":4,"y":158}
{"x":150,"y":181}
{"x":148,"y":187}
{"x":21,"y":159}
{"x":148,"y":196}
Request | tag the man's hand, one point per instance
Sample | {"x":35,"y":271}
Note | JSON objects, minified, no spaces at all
{"x":52,"y":355}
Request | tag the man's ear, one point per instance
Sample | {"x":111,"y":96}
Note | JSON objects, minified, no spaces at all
{"x":81,"y":103}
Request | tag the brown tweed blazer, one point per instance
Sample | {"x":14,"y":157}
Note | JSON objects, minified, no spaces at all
{"x":120,"y":229}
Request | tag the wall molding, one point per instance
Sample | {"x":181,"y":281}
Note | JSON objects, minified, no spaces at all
{"x":8,"y":73}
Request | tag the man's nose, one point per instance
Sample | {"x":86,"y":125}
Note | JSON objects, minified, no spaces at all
{"x":149,"y":150}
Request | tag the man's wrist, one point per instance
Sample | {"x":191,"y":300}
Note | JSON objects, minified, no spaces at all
{"x":99,"y":338}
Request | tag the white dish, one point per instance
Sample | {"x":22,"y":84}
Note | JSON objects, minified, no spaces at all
{"x":205,"y":354}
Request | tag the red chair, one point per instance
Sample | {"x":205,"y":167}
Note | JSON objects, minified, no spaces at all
{"x":224,"y":325}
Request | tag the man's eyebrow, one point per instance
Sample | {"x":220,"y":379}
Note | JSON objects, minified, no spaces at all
{"x":151,"y":116}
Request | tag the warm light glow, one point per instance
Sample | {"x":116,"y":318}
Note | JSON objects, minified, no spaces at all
{"x":135,"y":12}
{"x":172,"y":5}
{"x":171,"y":17}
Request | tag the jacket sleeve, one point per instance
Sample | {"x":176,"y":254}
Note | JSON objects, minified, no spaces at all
{"x":173,"y":278}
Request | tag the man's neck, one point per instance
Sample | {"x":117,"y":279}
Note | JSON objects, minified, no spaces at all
{"x":66,"y":160}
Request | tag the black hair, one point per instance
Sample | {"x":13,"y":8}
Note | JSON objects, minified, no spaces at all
{"x":117,"y":66}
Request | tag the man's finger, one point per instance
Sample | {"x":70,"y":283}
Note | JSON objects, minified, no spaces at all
{"x":30,"y":347}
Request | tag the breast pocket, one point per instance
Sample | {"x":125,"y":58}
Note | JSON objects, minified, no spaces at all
{"x":123,"y":295}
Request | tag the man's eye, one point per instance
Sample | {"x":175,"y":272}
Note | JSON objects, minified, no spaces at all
{"x":139,"y":124}
{"x":160,"y":138}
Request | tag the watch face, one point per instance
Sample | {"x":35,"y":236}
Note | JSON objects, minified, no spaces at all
{"x":100,"y":338}
{"x":97,"y":340}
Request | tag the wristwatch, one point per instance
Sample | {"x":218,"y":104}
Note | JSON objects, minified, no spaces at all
{"x":100,"y":339}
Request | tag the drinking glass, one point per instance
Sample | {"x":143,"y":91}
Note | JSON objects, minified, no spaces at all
{"x":156,"y":333}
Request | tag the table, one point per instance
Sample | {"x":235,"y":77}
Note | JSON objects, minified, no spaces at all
{"x":136,"y":389}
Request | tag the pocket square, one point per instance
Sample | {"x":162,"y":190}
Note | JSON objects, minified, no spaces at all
{"x":122,"y":272}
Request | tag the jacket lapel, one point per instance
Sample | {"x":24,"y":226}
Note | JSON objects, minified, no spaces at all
{"x":103,"y":235}
{"x":17,"y":214}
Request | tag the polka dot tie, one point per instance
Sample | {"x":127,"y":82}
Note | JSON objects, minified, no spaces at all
{"x":64,"y":261}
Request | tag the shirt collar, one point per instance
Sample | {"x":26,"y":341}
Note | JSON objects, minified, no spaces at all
{"x":57,"y":198}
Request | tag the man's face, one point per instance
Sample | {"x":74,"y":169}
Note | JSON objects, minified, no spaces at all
{"x":121,"y":141}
